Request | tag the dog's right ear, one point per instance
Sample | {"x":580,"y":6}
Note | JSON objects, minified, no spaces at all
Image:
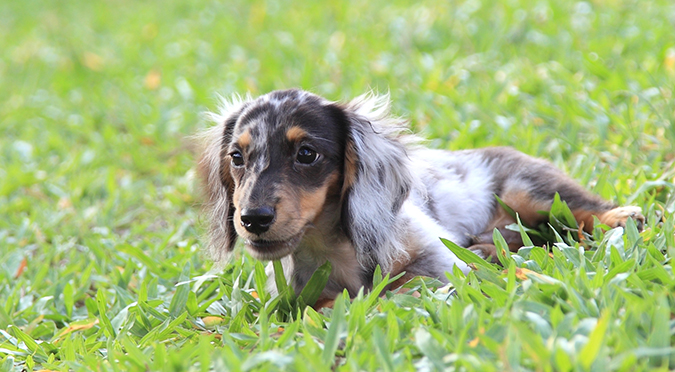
{"x":216,"y":181}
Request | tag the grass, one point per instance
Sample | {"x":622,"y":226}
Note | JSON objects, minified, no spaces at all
{"x":100,"y":264}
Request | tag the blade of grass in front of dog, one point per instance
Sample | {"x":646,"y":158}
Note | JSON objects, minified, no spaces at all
{"x":589,"y":352}
{"x":379,"y":288}
{"x":335,"y":329}
{"x":561,"y":213}
{"x":382,"y":350}
{"x":508,"y":209}
{"x":433,"y":350}
{"x":261,"y":281}
{"x":377,"y":276}
{"x":527,"y":242}
{"x":632,"y":234}
{"x":286,"y":293}
{"x":555,"y":236}
{"x":310,"y":294}
{"x":503,"y":252}
{"x":466,"y":255}
{"x":279,"y":278}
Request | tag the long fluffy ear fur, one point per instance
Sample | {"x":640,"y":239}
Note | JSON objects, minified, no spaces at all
{"x":377,"y":179}
{"x":216,"y":181}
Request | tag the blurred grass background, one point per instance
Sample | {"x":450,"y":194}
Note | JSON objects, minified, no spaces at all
{"x":96,"y":179}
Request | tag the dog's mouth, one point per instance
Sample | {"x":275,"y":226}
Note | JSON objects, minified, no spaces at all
{"x":272,"y":249}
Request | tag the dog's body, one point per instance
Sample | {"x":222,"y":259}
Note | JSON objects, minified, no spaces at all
{"x":306,"y":180}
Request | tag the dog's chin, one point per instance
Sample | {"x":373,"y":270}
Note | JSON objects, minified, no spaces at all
{"x":272,"y":249}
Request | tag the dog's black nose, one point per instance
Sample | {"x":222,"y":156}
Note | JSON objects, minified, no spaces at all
{"x":257,"y":220}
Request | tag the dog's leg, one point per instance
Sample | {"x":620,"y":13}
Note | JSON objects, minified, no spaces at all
{"x":528,"y":185}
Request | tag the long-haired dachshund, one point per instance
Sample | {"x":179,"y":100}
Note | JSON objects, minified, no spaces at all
{"x":305,"y":180}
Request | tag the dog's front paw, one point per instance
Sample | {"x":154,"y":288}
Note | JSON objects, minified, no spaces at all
{"x":618,"y":217}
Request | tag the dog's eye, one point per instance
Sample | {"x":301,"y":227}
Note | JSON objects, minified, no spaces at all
{"x":306,"y":155}
{"x":237,"y":158}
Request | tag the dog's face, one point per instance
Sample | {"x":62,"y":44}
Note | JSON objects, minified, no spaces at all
{"x":284,"y":160}
{"x":290,"y":161}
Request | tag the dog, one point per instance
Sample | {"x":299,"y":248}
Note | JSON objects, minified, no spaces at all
{"x":303,"y":180}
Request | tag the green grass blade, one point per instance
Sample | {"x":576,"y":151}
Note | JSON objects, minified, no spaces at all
{"x":527,"y":242}
{"x":335,"y":329}
{"x":502,"y":248}
{"x":30,"y":343}
{"x":560,"y":213}
{"x":314,"y":287}
{"x":468,"y":256}
{"x":279,"y":277}
{"x":590,"y":351}
{"x":180,"y":298}
{"x":261,"y":282}
{"x":102,"y":315}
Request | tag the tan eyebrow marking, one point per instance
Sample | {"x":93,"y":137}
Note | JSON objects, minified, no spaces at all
{"x":245,"y":139}
{"x":294,"y":134}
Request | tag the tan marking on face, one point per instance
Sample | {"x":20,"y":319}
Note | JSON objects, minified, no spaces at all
{"x":240,"y":200}
{"x":245,"y":139}
{"x":236,"y":198}
{"x":287,"y":222}
{"x":295,"y":209}
{"x":225,"y":175}
{"x":350,"y":167}
{"x":295,"y":134}
{"x":311,"y":203}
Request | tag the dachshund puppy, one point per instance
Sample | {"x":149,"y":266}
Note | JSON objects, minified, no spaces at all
{"x":305,"y":180}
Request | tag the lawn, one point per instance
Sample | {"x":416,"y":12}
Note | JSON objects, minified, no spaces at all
{"x":101,"y":264}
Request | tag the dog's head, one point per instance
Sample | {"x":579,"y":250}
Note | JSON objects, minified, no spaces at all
{"x":288,"y":161}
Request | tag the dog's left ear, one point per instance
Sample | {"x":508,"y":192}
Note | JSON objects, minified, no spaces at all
{"x":377,"y":178}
